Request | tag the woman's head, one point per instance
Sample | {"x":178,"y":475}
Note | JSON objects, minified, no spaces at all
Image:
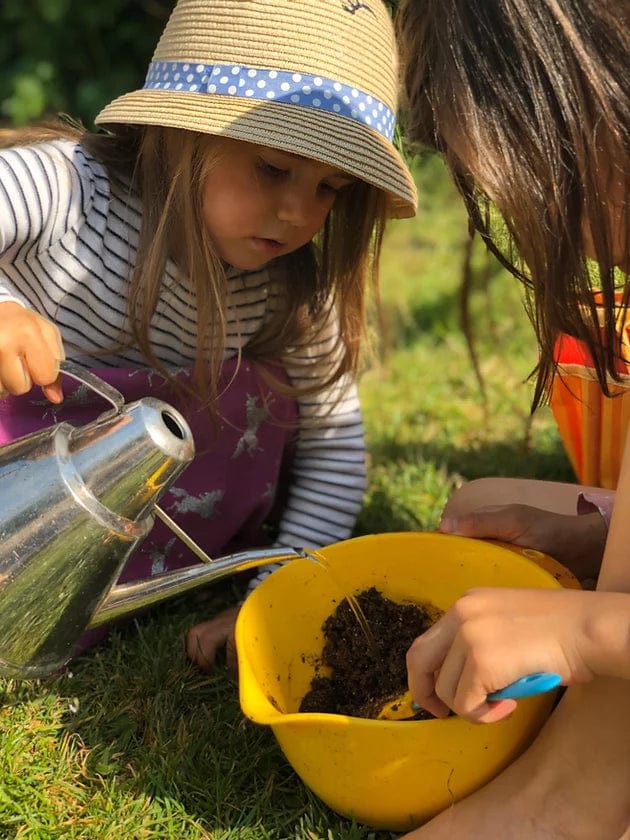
{"x":529,"y":101}
{"x":315,"y":78}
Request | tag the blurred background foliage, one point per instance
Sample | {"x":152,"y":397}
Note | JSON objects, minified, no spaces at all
{"x":71,"y":56}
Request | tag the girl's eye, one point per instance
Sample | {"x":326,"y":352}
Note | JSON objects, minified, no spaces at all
{"x":270,"y":170}
{"x":328,"y":188}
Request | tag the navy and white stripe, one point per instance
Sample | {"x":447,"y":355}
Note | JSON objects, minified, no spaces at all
{"x":68,"y":242}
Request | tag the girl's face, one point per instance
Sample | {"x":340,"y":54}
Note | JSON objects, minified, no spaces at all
{"x":260,"y":203}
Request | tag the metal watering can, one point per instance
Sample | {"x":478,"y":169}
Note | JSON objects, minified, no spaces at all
{"x":75,"y":503}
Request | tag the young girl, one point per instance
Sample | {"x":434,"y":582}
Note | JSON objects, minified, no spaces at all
{"x":213,"y":248}
{"x":530,"y":104}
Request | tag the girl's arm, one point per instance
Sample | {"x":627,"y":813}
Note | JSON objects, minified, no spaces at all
{"x":329,"y":470}
{"x":328,"y":479}
{"x":325,"y":494}
{"x":43,"y":195}
{"x":36,"y":188}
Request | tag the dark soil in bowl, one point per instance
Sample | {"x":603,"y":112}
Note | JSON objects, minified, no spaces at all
{"x":365,"y":674}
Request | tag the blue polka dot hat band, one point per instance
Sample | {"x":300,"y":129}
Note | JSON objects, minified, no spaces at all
{"x":301,"y":89}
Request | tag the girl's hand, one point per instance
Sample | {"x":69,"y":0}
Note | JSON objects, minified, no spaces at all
{"x":204,"y":641}
{"x":575,"y":541}
{"x":493,"y":636}
{"x":30,"y":351}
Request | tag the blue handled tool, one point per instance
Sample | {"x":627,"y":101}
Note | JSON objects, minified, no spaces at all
{"x":526,"y":686}
{"x":404,"y":708}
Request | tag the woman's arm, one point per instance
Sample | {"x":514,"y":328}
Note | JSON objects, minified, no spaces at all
{"x":491,"y":637}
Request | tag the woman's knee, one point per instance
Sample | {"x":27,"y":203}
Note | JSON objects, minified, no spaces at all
{"x":554,"y":496}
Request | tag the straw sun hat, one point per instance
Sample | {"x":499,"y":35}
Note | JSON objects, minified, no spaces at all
{"x":317,"y":78}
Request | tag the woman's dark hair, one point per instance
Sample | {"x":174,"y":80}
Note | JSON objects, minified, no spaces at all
{"x":529,"y":102}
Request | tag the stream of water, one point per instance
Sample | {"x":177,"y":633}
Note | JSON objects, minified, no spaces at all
{"x":320,"y":559}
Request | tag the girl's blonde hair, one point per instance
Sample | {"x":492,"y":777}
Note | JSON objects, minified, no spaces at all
{"x":166,"y":168}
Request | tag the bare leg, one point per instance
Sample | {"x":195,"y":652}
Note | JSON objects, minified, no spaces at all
{"x":574,"y":781}
{"x":534,"y":514}
{"x":555,"y":496}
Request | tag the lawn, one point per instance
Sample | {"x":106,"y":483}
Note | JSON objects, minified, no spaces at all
{"x":133,"y":742}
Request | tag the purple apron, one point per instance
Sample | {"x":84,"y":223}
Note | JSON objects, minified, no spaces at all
{"x":227,"y":495}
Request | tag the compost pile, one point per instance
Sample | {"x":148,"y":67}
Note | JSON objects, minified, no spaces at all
{"x":366,"y":673}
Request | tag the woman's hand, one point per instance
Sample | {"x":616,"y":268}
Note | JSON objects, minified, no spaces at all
{"x":204,"y":641}
{"x":30,"y":351}
{"x":575,"y":541}
{"x":493,"y":636}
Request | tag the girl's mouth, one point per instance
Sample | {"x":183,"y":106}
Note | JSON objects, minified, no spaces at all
{"x":267,"y":246}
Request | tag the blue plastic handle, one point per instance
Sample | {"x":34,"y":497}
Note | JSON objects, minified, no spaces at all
{"x":526,"y":686}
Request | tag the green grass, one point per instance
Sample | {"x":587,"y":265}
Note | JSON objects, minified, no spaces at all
{"x":134,"y":742}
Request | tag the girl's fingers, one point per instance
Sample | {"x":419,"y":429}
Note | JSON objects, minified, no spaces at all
{"x":430,"y":701}
{"x":202,"y":645}
{"x":424,"y":660}
{"x":204,"y":640}
{"x":494,"y":711}
{"x":450,"y":675}
{"x":30,"y":350}
{"x":18,"y":374}
{"x":469,"y":699}
{"x":458,"y":685}
{"x":444,"y":674}
{"x":502,"y":522}
{"x":231,"y":655}
{"x":14,"y":376}
{"x":54,"y":392}
{"x":43,"y":352}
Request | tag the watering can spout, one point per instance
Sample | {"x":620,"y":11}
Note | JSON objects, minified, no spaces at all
{"x":128,"y":598}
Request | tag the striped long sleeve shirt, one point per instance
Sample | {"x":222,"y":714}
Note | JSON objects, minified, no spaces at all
{"x":68,"y":244}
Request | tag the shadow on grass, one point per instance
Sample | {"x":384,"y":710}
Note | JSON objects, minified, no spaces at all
{"x":507,"y":459}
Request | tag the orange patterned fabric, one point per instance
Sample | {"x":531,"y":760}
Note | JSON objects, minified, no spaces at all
{"x":593,"y":427}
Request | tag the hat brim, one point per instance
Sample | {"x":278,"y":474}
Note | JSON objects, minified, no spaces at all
{"x":330,"y":138}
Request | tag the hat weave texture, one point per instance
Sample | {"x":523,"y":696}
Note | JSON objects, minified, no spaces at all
{"x":253,"y":70}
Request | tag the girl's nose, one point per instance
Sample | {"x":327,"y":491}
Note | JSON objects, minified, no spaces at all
{"x":294,"y":206}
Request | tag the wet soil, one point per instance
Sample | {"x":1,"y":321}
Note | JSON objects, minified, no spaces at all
{"x":366,"y":674}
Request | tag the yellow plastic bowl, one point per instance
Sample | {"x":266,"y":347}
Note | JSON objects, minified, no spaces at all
{"x":387,"y":774}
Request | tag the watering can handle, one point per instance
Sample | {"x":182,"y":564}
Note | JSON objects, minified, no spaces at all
{"x":85,"y":376}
